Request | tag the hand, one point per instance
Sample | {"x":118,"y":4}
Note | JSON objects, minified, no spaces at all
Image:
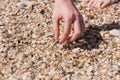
{"x":100,"y":3}
{"x":66,"y":10}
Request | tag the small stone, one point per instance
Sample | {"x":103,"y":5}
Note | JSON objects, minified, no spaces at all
{"x":117,"y":77}
{"x":90,"y":17}
{"x":34,"y":59}
{"x":21,"y":57}
{"x":49,"y":34}
{"x":1,"y":24}
{"x":89,"y":71}
{"x":34,"y":35}
{"x":19,"y":41}
{"x":119,"y":23}
{"x":26,"y":4}
{"x":56,"y":42}
{"x":75,"y":76}
{"x":104,"y":71}
{"x":20,"y":4}
{"x":42,"y":11}
{"x":26,"y":76}
{"x":8,"y":36}
{"x":118,"y":63}
{"x":115,"y":32}
{"x":51,"y":73}
{"x":76,"y":50}
{"x":84,"y":77}
{"x":1,"y":78}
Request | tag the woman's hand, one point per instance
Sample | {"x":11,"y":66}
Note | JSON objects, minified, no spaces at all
{"x":100,"y":3}
{"x":66,"y":10}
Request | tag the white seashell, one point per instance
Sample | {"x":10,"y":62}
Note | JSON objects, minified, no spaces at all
{"x":1,"y":77}
{"x":34,"y":35}
{"x":21,"y":57}
{"x":84,"y":77}
{"x":76,"y":50}
{"x":119,"y":23}
{"x":1,"y":24}
{"x":39,"y":75}
{"x":26,"y":4}
{"x":21,"y":4}
{"x":89,"y":70}
{"x":117,"y":77}
{"x":33,"y":59}
{"x":26,"y":76}
{"x":115,"y":32}
{"x":51,"y":73}
{"x":75,"y":76}
{"x":10,"y":78}
{"x":118,"y":63}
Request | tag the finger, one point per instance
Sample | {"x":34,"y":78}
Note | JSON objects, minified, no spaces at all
{"x":69,"y":37}
{"x":78,"y":29}
{"x":86,"y":1}
{"x":90,"y":3}
{"x":105,"y":4}
{"x":99,"y":3}
{"x":56,"y":27}
{"x":94,"y":3}
{"x":66,"y":32}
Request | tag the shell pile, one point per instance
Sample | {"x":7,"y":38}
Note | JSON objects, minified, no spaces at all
{"x":28,"y":51}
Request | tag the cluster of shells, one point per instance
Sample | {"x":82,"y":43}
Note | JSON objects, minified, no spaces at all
{"x":28,"y":51}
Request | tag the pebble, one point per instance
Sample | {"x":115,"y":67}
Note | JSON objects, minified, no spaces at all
{"x":26,"y":76}
{"x":21,"y":57}
{"x":1,"y":78}
{"x":76,"y":50}
{"x":118,"y":77}
{"x":89,"y":71}
{"x":52,"y":73}
{"x":75,"y":76}
{"x":49,"y":34}
{"x":42,"y":11}
{"x":26,"y":4}
{"x":84,"y":77}
{"x":119,"y":23}
{"x":1,"y":24}
{"x":115,"y":32}
{"x":21,"y":4}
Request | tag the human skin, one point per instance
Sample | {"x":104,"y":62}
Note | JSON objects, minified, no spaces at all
{"x":100,"y":3}
{"x":65,"y":10}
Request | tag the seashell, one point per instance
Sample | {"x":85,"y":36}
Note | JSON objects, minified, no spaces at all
{"x":89,"y":71}
{"x":119,"y":23}
{"x":115,"y":32}
{"x":1,"y":78}
{"x":76,"y":50}
{"x":26,"y":76}
{"x":26,"y":4}
{"x":21,"y":57}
